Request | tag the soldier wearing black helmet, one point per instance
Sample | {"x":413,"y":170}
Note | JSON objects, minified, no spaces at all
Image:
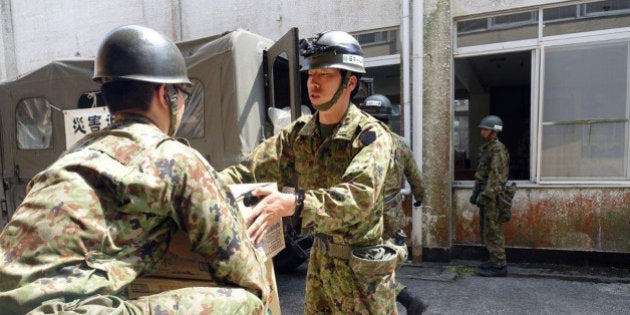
{"x":490,"y":178}
{"x":336,"y":160}
{"x":404,"y":167}
{"x":104,"y":212}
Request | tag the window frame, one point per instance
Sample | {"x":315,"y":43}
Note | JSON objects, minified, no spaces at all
{"x":48,"y":109}
{"x":538,"y":47}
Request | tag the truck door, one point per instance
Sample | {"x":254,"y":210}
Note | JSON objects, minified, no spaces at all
{"x":284,"y":84}
{"x":4,"y":208}
{"x":282,"y":74}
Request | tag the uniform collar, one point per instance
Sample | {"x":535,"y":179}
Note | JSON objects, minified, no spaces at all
{"x":133,"y":117}
{"x":488,"y":143}
{"x":347,"y":125}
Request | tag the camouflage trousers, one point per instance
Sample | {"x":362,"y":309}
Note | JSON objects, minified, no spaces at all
{"x":198,"y":300}
{"x":333,"y":287}
{"x":403,"y":254}
{"x":492,"y":234}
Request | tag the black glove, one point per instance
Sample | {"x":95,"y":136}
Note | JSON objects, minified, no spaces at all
{"x":473,"y":197}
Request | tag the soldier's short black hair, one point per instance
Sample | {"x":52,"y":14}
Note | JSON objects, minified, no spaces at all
{"x":128,"y":94}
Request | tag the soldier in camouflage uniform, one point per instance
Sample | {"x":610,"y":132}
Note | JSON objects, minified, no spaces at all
{"x":104,"y":212}
{"x":490,"y":178}
{"x":404,"y":167}
{"x":338,"y":161}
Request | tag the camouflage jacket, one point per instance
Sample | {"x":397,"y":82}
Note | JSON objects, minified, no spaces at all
{"x":343,"y":175}
{"x":404,"y":166}
{"x":493,"y":169}
{"x":104,"y":212}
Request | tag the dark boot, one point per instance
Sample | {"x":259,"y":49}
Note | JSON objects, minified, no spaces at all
{"x":413,"y":304}
{"x":493,"y":272}
{"x":485,"y":265}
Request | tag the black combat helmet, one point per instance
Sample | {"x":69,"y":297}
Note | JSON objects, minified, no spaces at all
{"x":491,"y":122}
{"x":139,"y":53}
{"x":378,"y":105}
{"x":332,"y":49}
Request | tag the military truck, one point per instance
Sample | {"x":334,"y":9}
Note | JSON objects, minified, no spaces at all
{"x":237,"y":76}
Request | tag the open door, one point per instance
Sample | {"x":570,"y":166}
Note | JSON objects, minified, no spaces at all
{"x":283,"y":83}
{"x":282,"y":74}
{"x":4,"y":207}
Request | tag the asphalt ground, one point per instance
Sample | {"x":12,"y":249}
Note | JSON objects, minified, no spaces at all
{"x":454,"y":288}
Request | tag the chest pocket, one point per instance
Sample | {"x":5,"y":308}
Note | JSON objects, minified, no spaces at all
{"x":336,"y":157}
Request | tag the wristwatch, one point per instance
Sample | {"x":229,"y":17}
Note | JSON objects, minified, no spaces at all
{"x":299,"y":202}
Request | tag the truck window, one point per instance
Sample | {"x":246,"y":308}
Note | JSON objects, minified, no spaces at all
{"x":34,"y":124}
{"x":192,"y":125}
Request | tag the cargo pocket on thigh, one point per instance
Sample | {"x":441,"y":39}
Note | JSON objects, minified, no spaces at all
{"x":374,"y":268}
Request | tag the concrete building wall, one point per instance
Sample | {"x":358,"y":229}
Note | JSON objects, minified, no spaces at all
{"x":38,"y":31}
{"x":273,"y":18}
{"x":475,"y":7}
{"x":569,"y":218}
{"x":49,"y":29}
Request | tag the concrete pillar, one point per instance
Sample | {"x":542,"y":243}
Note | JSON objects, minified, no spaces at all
{"x":437,"y":129}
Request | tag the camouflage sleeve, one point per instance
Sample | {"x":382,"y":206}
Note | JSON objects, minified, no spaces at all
{"x":412,"y":172}
{"x":347,"y":208}
{"x":263,"y":163}
{"x":208,"y":212}
{"x":498,"y":172}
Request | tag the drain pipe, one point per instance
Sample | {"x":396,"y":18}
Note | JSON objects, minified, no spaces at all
{"x":404,"y":69}
{"x":416,"y":119}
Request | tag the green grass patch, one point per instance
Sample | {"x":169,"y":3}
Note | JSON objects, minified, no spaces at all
{"x":462,"y":270}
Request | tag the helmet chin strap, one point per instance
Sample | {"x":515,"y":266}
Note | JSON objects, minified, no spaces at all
{"x":171,"y":93}
{"x":326,"y":106}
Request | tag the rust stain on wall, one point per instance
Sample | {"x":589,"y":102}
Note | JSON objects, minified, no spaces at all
{"x":586,"y":219}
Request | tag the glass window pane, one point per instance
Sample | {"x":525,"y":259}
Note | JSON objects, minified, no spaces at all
{"x":604,"y":7}
{"x":34,"y":124}
{"x":192,"y":125}
{"x":560,"y":13}
{"x":586,"y":17}
{"x":584,"y":151}
{"x":512,"y":19}
{"x":585,"y":116}
{"x":379,"y":43}
{"x":497,"y":29}
{"x":586,"y":82}
{"x":472,"y":26}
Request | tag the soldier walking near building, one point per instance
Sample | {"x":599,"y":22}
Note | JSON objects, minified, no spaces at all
{"x":337,"y":161}
{"x":490,"y":179}
{"x":404,"y":167}
{"x":104,"y":212}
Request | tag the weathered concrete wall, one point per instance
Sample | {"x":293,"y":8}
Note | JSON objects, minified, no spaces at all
{"x":472,"y":7}
{"x":275,"y":18}
{"x":44,"y":30}
{"x":580,"y":219}
{"x":437,"y":124}
{"x":36,"y":32}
